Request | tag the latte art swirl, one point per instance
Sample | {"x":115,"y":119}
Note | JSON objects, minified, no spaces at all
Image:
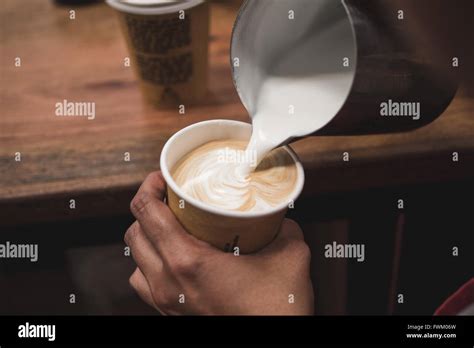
{"x":216,"y":173}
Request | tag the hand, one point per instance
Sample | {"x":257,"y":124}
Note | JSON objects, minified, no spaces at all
{"x":179,"y":274}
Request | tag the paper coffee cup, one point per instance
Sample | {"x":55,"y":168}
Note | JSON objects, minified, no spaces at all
{"x":168,"y":46}
{"x":224,"y":229}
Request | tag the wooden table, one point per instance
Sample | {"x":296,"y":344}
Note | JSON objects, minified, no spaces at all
{"x":65,"y":158}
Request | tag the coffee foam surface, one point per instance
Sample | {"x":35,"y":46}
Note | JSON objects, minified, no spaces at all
{"x":209,"y":175}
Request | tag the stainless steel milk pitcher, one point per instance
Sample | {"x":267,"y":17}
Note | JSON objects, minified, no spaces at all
{"x":387,"y":82}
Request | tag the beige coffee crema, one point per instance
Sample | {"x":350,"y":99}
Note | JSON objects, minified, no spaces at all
{"x":217,"y":174}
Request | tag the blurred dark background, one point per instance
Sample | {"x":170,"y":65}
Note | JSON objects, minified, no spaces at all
{"x":407,"y":252}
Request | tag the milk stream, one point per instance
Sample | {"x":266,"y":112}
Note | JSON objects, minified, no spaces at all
{"x":302,"y":87}
{"x":289,"y":107}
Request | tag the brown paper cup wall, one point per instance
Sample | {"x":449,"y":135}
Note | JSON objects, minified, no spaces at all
{"x":226,"y":232}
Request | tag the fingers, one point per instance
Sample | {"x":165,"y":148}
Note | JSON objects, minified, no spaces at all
{"x":139,"y":283}
{"x":145,"y":255}
{"x":290,"y":239}
{"x":290,"y":230}
{"x":156,"y":219}
{"x":155,"y":185}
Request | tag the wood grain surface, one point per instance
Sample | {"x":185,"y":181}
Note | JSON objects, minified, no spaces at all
{"x":65,"y":158}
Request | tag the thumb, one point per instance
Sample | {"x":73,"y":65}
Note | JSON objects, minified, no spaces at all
{"x":290,"y":234}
